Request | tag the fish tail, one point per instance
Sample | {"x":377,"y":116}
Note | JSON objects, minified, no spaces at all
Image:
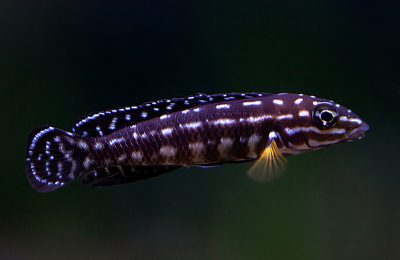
{"x":53,"y":158}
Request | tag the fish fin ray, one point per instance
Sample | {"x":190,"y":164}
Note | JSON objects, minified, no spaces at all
{"x":269,"y":166}
{"x":106,"y":122}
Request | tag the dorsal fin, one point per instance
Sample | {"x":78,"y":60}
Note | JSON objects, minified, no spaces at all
{"x":106,"y":122}
{"x":115,"y":175}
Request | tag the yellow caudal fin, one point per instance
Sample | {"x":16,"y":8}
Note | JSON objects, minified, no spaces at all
{"x":269,"y":166}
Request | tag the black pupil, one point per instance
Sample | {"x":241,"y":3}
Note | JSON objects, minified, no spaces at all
{"x":326,"y":116}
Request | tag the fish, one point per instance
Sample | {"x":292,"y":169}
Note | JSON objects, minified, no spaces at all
{"x":128,"y":144}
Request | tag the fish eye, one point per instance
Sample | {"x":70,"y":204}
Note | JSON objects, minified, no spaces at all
{"x":325,"y":115}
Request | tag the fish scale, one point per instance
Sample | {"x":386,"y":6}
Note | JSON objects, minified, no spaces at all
{"x":182,"y":137}
{"x":128,"y":144}
{"x":106,"y":122}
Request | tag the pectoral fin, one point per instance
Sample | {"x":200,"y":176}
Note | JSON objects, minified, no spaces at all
{"x":269,"y":166}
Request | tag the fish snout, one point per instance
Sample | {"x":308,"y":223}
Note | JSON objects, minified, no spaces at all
{"x":359,"y":132}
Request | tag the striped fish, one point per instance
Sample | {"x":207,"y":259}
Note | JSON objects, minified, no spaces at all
{"x":133,"y":143}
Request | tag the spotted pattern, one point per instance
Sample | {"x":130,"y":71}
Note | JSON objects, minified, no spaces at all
{"x":123,"y":145}
{"x":106,"y":122}
{"x":50,"y":158}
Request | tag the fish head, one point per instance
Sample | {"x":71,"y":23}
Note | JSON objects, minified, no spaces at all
{"x":320,"y":122}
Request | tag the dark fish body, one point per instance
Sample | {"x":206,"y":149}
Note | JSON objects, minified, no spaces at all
{"x":133,"y":143}
{"x":201,"y":135}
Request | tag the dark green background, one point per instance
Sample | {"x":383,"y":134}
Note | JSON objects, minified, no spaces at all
{"x":62,"y":59}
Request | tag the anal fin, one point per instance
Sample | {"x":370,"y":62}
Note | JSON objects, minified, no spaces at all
{"x":116,"y":175}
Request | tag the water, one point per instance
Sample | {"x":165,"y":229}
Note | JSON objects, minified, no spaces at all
{"x":62,"y":60}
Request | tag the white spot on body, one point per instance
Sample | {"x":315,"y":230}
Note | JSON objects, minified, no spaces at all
{"x":116,"y":141}
{"x":343,"y":118}
{"x":222,"y":106}
{"x":196,"y":110}
{"x":47,"y":148}
{"x":292,"y":131}
{"x":196,"y":147}
{"x":210,"y":142}
{"x":144,"y":114}
{"x":59,"y":168}
{"x":122,"y":158}
{"x":252,"y":145}
{"x":167,"y":131}
{"x":48,"y":169}
{"x":196,"y":150}
{"x":112,"y":124}
{"x":272,"y":135}
{"x":304,"y":113}
{"x":98,"y":129}
{"x":252,"y":103}
{"x":168,"y":151}
{"x":256,"y":119}
{"x":192,"y":125}
{"x":298,"y":101}
{"x":98,"y":146}
{"x":137,"y":155}
{"x":278,"y":102}
{"x":224,"y":146}
{"x":164,"y":117}
{"x":223,"y":121}
{"x":83,"y":145}
{"x":87,"y":163}
{"x":284,"y":117}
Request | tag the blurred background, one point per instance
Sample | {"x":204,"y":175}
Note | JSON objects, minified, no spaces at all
{"x":62,"y":59}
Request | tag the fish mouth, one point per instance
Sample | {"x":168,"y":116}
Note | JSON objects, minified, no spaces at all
{"x":358,"y":133}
